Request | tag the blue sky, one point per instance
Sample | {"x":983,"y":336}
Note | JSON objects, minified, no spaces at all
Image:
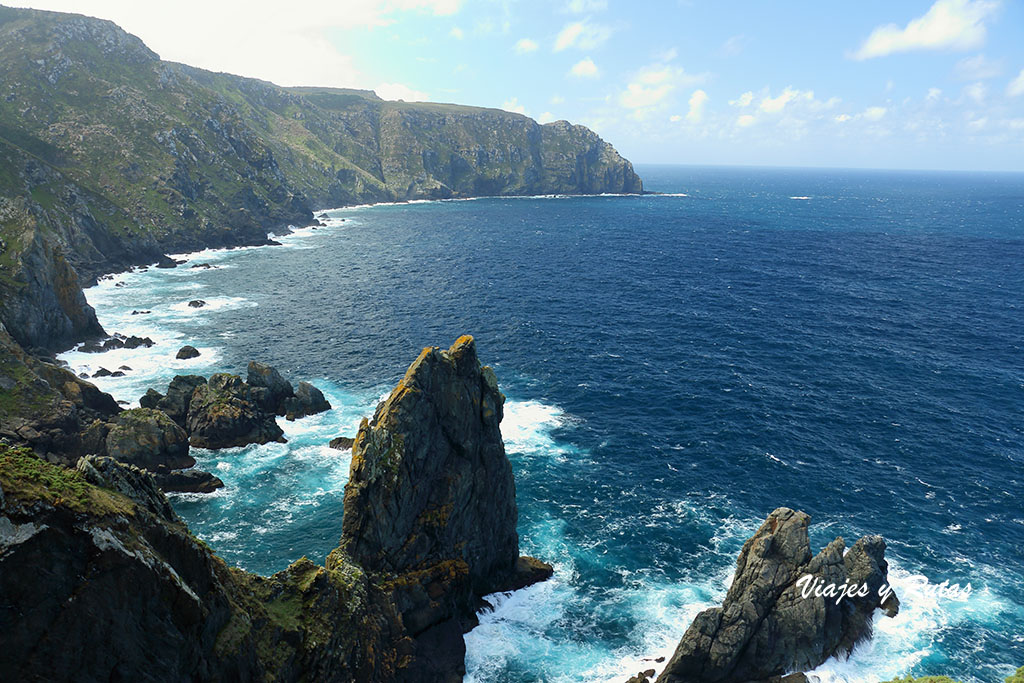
{"x":905,"y":84}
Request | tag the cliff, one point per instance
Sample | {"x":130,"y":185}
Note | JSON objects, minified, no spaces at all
{"x":73,"y":539}
{"x":110,"y":157}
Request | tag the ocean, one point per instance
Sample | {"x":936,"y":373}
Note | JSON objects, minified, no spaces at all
{"x":847,"y":343}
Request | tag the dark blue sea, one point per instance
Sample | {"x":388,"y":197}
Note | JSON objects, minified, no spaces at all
{"x":848,"y":343}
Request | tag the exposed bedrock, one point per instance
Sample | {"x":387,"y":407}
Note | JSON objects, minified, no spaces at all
{"x":430,"y":504}
{"x":105,"y":582}
{"x":767,"y":627}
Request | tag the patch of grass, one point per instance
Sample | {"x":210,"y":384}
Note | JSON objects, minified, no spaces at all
{"x":28,"y":479}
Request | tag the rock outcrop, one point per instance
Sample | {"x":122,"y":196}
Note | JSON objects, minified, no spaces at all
{"x":104,"y":582}
{"x":73,"y":539}
{"x":767,"y":626}
{"x":308,"y":400}
{"x":148,"y":439}
{"x":47,"y":406}
{"x":430,"y":506}
{"x":221,"y":414}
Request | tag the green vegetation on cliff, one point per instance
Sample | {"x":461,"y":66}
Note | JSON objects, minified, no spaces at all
{"x":110,"y":156}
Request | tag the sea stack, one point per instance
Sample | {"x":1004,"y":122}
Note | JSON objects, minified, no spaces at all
{"x":430,"y":505}
{"x":766,"y":627}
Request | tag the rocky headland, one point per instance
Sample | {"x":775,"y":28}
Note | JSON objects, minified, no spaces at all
{"x":424,"y":537}
{"x":112,"y":157}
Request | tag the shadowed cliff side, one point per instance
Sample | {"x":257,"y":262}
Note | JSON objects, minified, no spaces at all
{"x":430,"y":508}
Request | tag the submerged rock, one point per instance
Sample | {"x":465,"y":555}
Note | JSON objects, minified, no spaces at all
{"x":166,"y":262}
{"x":186,"y":352}
{"x":117,"y":341}
{"x":766,"y":627}
{"x":196,"y":303}
{"x":221,"y":415}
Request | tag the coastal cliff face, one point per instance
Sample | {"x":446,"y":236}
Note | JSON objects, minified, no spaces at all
{"x":110,"y":157}
{"x":391,"y":602}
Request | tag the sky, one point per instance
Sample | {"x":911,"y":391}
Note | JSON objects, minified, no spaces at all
{"x":916,"y":84}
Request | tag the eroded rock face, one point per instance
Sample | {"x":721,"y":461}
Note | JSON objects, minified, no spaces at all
{"x":149,"y":439}
{"x":221,"y":415}
{"x":269,"y":389}
{"x":105,"y":583}
{"x":308,"y":400}
{"x":766,"y":627}
{"x":430,"y":504}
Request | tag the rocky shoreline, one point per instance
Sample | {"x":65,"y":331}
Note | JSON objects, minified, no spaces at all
{"x":421,"y":545}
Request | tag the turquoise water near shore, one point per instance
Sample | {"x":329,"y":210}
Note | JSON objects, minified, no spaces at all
{"x":847,"y":343}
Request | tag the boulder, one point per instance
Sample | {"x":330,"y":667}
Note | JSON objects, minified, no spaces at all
{"x":196,"y":303}
{"x":117,"y":341}
{"x":269,"y":389}
{"x":151,"y":399}
{"x":179,"y":395}
{"x":186,"y":352}
{"x":221,"y":415}
{"x":166,"y":262}
{"x":308,"y":400}
{"x":342,"y":443}
{"x":188,"y":481}
{"x":148,"y":439}
{"x":766,"y":626}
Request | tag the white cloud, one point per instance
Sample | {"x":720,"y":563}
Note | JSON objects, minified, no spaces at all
{"x":557,"y":99}
{"x":842,"y":118}
{"x":698,"y":100}
{"x":639,"y":96}
{"x":400,"y":91}
{"x":746,"y":120}
{"x":675,"y":118}
{"x":651,"y":86}
{"x":773,"y":105}
{"x":526,"y":45}
{"x":732,"y":47}
{"x":933,"y":95}
{"x":456,"y":33}
{"x":977,"y":68}
{"x":874,"y":113}
{"x":583,"y":35}
{"x":585,"y":6}
{"x":1016,"y":86}
{"x":546,"y":117}
{"x":743,"y":100}
{"x":948,"y":24}
{"x":585,"y":68}
{"x":286,"y":43}
{"x":513,"y":105}
{"x":976,"y":91}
